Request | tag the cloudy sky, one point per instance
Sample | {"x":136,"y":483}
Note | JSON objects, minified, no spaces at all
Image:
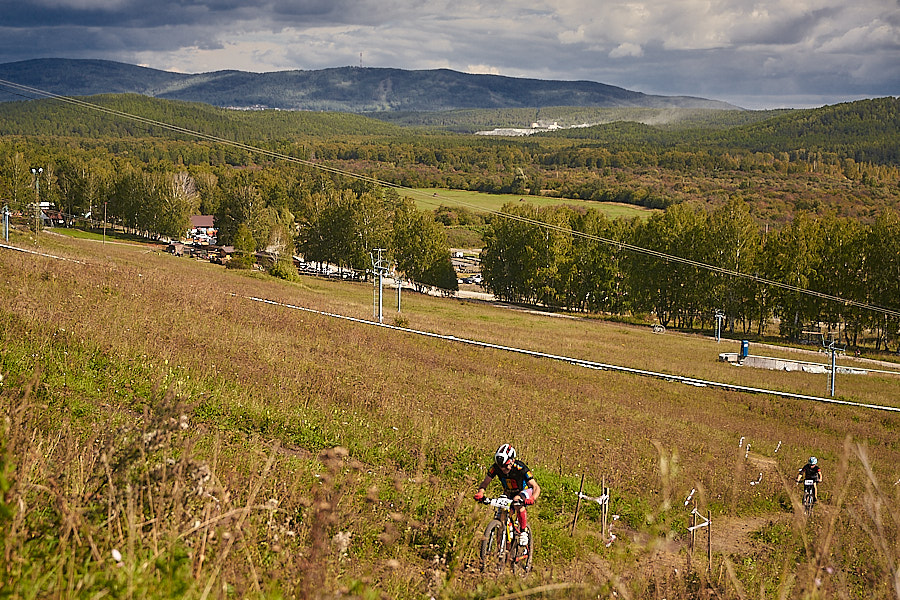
{"x":754,"y":53}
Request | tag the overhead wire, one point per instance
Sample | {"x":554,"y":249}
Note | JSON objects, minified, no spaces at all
{"x":430,"y":200}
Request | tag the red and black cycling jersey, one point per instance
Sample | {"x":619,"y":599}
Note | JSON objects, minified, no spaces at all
{"x":811,"y":472}
{"x":517,"y":479}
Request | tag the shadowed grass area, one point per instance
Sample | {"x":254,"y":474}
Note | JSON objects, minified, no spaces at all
{"x":226,"y":447}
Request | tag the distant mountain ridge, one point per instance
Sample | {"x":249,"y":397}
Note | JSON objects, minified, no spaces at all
{"x":343,"y":89}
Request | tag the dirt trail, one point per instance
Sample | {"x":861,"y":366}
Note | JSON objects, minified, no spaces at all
{"x":730,"y":537}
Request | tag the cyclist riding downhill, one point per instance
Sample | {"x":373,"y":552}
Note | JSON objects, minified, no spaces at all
{"x":518,"y":483}
{"x":811,"y":472}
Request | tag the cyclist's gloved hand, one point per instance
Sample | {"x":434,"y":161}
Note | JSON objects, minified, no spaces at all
{"x":479,"y":495}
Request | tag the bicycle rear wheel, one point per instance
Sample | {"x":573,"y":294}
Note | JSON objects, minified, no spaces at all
{"x":493,"y":550}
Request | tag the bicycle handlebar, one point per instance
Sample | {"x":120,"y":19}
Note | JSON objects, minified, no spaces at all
{"x":500,"y":502}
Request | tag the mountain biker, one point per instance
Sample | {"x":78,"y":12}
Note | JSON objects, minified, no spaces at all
{"x":518,"y":484}
{"x":811,"y":471}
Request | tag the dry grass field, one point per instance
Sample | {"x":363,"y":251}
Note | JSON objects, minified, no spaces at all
{"x":165,"y":435}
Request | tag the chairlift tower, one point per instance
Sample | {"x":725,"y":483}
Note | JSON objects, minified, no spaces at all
{"x":380,"y":267}
{"x":36,"y":173}
{"x":399,"y":281}
{"x":720,"y":316}
{"x":834,"y":349}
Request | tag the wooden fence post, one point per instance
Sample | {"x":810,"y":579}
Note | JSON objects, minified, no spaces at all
{"x":577,"y":505}
{"x":709,"y":542}
{"x":693,"y":525}
{"x":604,"y":508}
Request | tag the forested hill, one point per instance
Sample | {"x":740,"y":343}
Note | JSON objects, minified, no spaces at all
{"x":345,"y":89}
{"x":57,"y":118}
{"x":864,"y":130}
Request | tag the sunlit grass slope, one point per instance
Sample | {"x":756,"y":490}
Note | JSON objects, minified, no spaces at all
{"x":223,"y":446}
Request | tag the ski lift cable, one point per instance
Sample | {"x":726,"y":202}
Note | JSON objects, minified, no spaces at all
{"x":431,"y":199}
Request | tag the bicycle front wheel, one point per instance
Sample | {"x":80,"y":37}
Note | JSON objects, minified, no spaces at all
{"x":522,"y":557}
{"x":493,"y":548}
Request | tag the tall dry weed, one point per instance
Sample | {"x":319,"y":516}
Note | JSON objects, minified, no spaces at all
{"x":128,"y":509}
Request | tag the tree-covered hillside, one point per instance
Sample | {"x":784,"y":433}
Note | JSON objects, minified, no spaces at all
{"x":866,"y":131}
{"x":581,"y":117}
{"x":776,"y":165}
{"x":67,"y":119}
{"x":348,"y":89}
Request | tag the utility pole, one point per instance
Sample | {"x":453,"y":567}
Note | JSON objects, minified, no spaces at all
{"x":37,"y":197}
{"x":832,"y":347}
{"x":6,"y":223}
{"x":380,"y":268}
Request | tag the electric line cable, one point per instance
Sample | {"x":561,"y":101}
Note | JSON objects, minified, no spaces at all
{"x":578,"y":361}
{"x":429,"y":199}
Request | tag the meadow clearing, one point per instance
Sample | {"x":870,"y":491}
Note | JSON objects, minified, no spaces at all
{"x":431,"y":198}
{"x":166,"y":434}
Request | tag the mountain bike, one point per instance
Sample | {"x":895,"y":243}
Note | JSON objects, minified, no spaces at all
{"x":809,"y":499}
{"x":500,"y":546}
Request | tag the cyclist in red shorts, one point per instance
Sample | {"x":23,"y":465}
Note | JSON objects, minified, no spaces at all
{"x":518,"y":484}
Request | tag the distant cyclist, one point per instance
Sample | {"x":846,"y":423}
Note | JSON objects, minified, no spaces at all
{"x":518,"y":484}
{"x":811,"y":471}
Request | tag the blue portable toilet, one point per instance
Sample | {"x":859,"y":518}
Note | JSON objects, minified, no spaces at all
{"x":745,"y":348}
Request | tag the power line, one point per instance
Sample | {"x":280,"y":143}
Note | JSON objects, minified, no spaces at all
{"x":580,"y":362}
{"x":429,"y":199}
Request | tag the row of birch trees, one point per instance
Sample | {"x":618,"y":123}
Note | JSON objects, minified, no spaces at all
{"x":578,"y":260}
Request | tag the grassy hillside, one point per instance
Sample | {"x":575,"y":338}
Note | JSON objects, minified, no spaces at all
{"x":166,"y":435}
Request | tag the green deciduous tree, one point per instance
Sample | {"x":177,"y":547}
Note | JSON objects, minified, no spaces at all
{"x":734,"y":243}
{"x":345,"y":229}
{"x":16,"y":184}
{"x":523,"y":261}
{"x":791,"y":258}
{"x":883,"y":267}
{"x":673,"y":290}
{"x":419,"y":247}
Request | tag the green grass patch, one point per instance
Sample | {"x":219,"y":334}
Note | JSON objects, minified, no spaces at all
{"x":431,"y":198}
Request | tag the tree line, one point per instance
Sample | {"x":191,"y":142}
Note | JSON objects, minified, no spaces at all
{"x":578,"y":260}
{"x":280,"y":209}
{"x":153,"y":184}
{"x":840,"y":158}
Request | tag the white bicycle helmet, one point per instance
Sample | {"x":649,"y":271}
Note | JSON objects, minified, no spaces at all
{"x":505,"y":453}
{"x":813,"y":460}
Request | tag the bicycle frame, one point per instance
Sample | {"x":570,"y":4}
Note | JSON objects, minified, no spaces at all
{"x":808,"y":497}
{"x":505,"y":529}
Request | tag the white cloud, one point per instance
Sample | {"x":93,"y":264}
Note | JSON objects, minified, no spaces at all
{"x":482,"y":70}
{"x":569,"y":36}
{"x":714,"y":48}
{"x":627,"y":49}
{"x":864,"y":38}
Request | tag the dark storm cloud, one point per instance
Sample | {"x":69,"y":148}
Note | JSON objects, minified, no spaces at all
{"x":819,"y":50}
